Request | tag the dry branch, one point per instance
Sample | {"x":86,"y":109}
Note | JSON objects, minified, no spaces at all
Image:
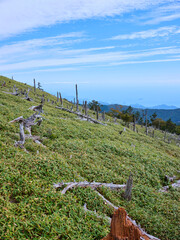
{"x":95,"y":213}
{"x":93,"y":185}
{"x":81,"y":115}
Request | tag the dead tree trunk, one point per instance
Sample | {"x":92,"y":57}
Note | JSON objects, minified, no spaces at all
{"x":34,"y":85}
{"x":85,"y":108}
{"x":146,"y":124}
{"x":134,"y":123}
{"x":57,"y":97}
{"x":77,"y":101}
{"x":103,"y":116}
{"x":128,"y":192}
{"x":60,"y":98}
{"x":97,"y":113}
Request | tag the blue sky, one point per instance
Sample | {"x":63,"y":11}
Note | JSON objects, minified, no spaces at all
{"x":117,"y":51}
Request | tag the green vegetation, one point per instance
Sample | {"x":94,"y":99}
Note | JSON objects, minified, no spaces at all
{"x":32,"y":209}
{"x":128,"y":116}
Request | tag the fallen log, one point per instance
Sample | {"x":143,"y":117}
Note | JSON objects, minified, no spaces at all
{"x":93,"y":185}
{"x":81,"y":115}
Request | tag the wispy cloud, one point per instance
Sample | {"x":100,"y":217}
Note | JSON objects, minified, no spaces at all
{"x":164,"y":13}
{"x":151,"y":33}
{"x":18,"y":16}
{"x":110,"y":57}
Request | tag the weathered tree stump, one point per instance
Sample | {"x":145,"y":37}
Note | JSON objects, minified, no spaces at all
{"x":128,"y":192}
{"x":122,"y":228}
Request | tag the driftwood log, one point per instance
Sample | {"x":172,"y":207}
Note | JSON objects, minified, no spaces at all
{"x":81,"y":115}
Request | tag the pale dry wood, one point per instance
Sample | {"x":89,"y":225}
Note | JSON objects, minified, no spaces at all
{"x":95,"y":213}
{"x":93,"y":185}
{"x":81,"y":115}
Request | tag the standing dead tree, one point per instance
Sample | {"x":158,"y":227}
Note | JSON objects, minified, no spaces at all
{"x":61,"y":101}
{"x":77,"y":100}
{"x":146,"y":123}
{"x":134,"y":123}
{"x":85,"y":108}
{"x":34,"y":85}
{"x":128,"y":192}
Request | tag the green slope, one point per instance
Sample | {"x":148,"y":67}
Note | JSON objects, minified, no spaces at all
{"x":30,"y":208}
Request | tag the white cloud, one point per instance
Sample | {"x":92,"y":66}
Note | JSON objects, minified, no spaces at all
{"x":151,"y":33}
{"x":164,"y":13}
{"x":36,"y":46}
{"x":18,"y":16}
{"x":163,"y":19}
{"x":146,"y":61}
{"x":92,"y":59}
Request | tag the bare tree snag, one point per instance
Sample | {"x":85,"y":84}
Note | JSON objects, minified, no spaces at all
{"x":85,"y":108}
{"x":146,"y":124}
{"x":57,"y":97}
{"x":134,"y":123}
{"x":21,"y":133}
{"x":27,"y":123}
{"x":103,"y":115}
{"x":128,"y":192}
{"x":81,"y":115}
{"x":60,"y":99}
{"x":34,"y":85}
{"x":97,"y":113}
{"x":123,"y":228}
{"x":77,"y":101}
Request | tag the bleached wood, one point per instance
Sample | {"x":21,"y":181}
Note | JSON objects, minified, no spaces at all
{"x":95,"y":213}
{"x":81,"y":115}
{"x":93,"y":185}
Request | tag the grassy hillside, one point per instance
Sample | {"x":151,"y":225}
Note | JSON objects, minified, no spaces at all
{"x":30,"y":207}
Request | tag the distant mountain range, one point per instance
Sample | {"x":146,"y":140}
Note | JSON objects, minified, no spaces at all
{"x":162,"y":106}
{"x":164,"y":114}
